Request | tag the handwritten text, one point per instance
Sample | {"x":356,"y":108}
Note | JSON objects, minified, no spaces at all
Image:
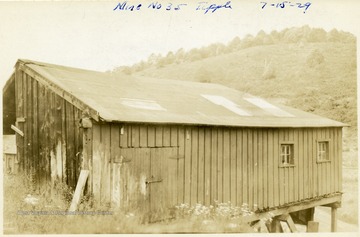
{"x":204,"y":7}
{"x":286,"y":4}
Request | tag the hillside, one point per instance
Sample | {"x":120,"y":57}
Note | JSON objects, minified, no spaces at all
{"x":306,"y":68}
{"x":285,"y":72}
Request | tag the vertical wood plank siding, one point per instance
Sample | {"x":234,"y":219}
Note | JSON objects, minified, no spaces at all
{"x":240,"y":165}
{"x":52,"y":139}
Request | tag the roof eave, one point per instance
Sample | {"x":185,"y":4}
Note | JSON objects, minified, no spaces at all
{"x":335,"y":125}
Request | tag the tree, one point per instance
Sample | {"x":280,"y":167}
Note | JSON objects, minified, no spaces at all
{"x":295,"y":34}
{"x":234,"y":44}
{"x":139,"y":66}
{"x":204,"y":52}
{"x":259,"y":38}
{"x":127,"y":70}
{"x":315,"y":58}
{"x":153,"y":59}
{"x":275,"y":36}
{"x":180,"y":55}
{"x":269,"y":70}
{"x":170,"y":58}
{"x":347,"y":37}
{"x":212,"y":50}
{"x":220,"y":48}
{"x":333,"y":36}
{"x":193,"y":55}
{"x":247,"y":42}
{"x":317,"y":35}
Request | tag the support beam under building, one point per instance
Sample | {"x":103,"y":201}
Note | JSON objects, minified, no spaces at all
{"x":334,"y":206}
{"x":333,"y":219}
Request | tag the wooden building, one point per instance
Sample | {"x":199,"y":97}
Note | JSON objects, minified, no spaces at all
{"x":150,"y":144}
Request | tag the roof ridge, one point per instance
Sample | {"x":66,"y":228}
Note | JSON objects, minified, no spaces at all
{"x":52,"y":65}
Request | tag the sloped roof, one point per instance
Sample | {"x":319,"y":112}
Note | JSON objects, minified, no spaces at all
{"x":122,"y":98}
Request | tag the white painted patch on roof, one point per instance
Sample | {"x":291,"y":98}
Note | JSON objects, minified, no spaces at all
{"x":228,"y":104}
{"x":142,"y":104}
{"x":270,"y":108}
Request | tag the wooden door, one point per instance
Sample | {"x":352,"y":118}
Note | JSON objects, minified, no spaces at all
{"x":162,"y":181}
{"x":144,"y":180}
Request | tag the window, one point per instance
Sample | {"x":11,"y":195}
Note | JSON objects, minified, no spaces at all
{"x":287,"y":155}
{"x":142,"y":104}
{"x":323,"y":151}
{"x":228,"y":104}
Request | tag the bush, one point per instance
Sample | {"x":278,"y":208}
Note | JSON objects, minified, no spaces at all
{"x":222,"y":217}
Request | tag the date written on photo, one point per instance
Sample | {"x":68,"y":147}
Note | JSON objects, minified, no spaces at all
{"x":205,"y":7}
{"x":286,"y":4}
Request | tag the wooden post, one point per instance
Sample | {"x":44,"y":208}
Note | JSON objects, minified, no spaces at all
{"x":85,"y":155}
{"x":86,"y":163}
{"x":79,"y":190}
{"x":334,"y":206}
{"x":289,"y":221}
{"x":311,"y":214}
{"x":261,"y":227}
{"x":276,"y":226}
{"x":333,"y":219}
{"x":291,"y":224}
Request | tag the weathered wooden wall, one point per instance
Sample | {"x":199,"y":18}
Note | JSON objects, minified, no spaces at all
{"x":9,"y":107}
{"x":52,"y":143}
{"x":203,"y":164}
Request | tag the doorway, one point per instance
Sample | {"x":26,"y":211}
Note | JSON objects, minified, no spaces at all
{"x":148,"y":180}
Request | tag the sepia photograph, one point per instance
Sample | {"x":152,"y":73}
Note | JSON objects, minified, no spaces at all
{"x":179,"y":117}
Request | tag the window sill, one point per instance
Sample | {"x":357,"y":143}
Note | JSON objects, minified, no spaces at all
{"x":286,"y":166}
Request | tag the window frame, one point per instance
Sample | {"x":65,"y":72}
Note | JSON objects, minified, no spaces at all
{"x":292,"y":144}
{"x":328,"y":155}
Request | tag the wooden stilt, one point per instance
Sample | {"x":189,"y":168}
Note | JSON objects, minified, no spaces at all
{"x":284,"y":226}
{"x":278,"y":228}
{"x":312,"y":226}
{"x":291,"y":224}
{"x":289,"y":221}
{"x":257,"y":226}
{"x":261,"y":226}
{"x":312,"y":214}
{"x":333,"y":219}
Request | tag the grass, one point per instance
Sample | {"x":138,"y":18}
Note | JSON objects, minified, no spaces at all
{"x":49,"y":215}
{"x":349,"y":208}
{"x":23,"y":218}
